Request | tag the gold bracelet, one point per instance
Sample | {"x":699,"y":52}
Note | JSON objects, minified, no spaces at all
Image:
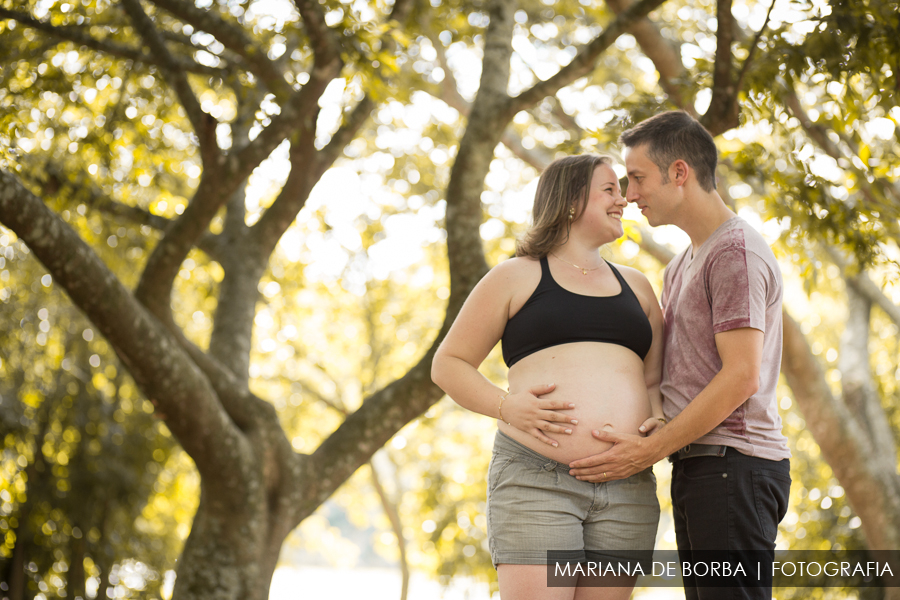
{"x":500,"y":408}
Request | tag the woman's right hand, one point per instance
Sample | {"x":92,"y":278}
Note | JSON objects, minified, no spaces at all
{"x":534,"y":415}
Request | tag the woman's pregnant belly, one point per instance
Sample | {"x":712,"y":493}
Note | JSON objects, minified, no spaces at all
{"x":605,"y":382}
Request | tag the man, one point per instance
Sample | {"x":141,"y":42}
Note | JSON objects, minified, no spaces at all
{"x":722,"y":306}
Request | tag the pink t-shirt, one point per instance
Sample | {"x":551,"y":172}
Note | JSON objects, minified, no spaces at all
{"x":732,"y":281}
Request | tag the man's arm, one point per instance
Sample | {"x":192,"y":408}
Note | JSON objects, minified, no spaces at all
{"x":741,"y":354}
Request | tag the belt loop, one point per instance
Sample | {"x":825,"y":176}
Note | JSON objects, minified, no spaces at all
{"x":550,"y":466}
{"x":722,"y":450}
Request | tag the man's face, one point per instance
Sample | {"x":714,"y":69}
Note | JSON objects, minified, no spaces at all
{"x":646,"y":187}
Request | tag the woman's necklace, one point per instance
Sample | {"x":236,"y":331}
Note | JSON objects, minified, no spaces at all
{"x":584,"y":271}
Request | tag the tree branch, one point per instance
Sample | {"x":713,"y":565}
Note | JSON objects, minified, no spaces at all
{"x":231,"y":58}
{"x":665,"y":57}
{"x":538,"y":157}
{"x":325,"y":44}
{"x":449,"y":84}
{"x":658,"y":251}
{"x":210,"y":244}
{"x":393,"y":514}
{"x":723,"y":110}
{"x":386,"y":411}
{"x":819,"y":135}
{"x":399,"y":14}
{"x":863,"y":285}
{"x":369,"y":428}
{"x":753,"y":47}
{"x":233,"y":37}
{"x":871,"y":491}
{"x":84,"y":190}
{"x":584,"y":61}
{"x":78,"y":35}
{"x":203,"y":123}
{"x":389,"y":505}
{"x":156,"y":361}
{"x":155,"y":286}
{"x":219,"y":181}
{"x":132,"y":214}
{"x":347,"y":131}
{"x":450,"y":95}
{"x":299,"y":113}
{"x":307,"y":167}
{"x":857,"y":385}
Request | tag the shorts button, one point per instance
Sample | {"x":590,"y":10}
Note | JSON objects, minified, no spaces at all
{"x":724,"y":475}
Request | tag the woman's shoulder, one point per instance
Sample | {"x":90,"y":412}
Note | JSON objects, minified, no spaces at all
{"x":519,"y":263}
{"x":514,"y":273}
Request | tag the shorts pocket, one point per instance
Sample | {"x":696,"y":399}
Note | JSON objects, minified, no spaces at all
{"x":498,"y":464}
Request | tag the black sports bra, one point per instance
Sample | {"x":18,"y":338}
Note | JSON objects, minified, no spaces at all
{"x":554,"y":315}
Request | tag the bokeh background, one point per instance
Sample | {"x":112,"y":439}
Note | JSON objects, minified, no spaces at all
{"x":328,"y":180}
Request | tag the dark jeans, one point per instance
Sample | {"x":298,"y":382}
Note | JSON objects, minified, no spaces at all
{"x":728,"y":503}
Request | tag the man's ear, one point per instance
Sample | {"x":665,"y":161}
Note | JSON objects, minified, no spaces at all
{"x":679,"y":172}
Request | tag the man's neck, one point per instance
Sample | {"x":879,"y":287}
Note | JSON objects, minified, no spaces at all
{"x":704,"y":216}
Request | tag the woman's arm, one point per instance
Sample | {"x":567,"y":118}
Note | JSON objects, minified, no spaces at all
{"x":653,"y":367}
{"x":653,"y":361}
{"x":476,"y":330}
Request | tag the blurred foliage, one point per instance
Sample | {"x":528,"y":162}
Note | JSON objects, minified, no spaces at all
{"x":89,"y":475}
{"x":357,"y":286}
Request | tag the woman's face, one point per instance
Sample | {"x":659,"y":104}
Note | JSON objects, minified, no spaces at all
{"x":602,"y":217}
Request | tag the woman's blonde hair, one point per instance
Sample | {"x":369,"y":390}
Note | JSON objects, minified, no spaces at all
{"x":564,"y":186}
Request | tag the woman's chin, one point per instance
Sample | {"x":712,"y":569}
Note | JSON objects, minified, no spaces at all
{"x":614,"y":236}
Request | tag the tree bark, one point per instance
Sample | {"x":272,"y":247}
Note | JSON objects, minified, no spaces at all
{"x":393,"y":515}
{"x":232,"y":332}
{"x":865,"y":470}
{"x":665,"y":56}
{"x":16,"y":579}
{"x":254,"y":488}
{"x":723,"y":110}
{"x":75,"y":579}
{"x":863,"y":459}
{"x":230,"y":342}
{"x":852,"y":432}
{"x":863,"y":285}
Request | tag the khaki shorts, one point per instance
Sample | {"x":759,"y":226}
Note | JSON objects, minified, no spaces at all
{"x":534,"y":507}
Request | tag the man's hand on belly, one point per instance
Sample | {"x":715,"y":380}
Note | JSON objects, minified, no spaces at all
{"x":630,"y":454}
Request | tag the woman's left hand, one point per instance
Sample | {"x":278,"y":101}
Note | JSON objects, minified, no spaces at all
{"x":651,"y":426}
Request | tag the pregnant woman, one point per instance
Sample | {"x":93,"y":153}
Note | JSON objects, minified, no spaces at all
{"x":583,"y":342}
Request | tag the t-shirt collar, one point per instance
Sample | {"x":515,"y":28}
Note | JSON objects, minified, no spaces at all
{"x":722,"y":227}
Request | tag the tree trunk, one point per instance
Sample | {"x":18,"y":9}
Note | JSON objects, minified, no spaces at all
{"x":16,"y":573}
{"x":393,"y":515}
{"x":853,"y":432}
{"x":103,"y":583}
{"x":75,"y":580}
{"x":239,"y":527}
{"x":17,"y":579}
{"x":254,"y":488}
{"x":862,"y":467}
{"x":232,"y":332}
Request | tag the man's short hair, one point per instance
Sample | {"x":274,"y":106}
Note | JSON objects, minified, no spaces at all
{"x":674,"y":135}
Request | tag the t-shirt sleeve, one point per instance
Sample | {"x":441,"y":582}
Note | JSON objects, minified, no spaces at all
{"x":738,"y":286}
